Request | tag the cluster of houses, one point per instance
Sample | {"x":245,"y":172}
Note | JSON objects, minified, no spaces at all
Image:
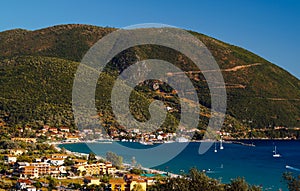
{"x":129,"y":181}
{"x":150,"y":137}
{"x":52,"y":134}
{"x":54,"y":166}
{"x":65,"y":135}
{"x":126,"y":183}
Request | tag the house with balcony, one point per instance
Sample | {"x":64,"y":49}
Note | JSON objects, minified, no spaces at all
{"x":40,"y":169}
{"x":29,"y":172}
{"x":92,"y":169}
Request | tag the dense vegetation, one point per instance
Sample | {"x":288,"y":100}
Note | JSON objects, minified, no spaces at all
{"x":293,"y":183}
{"x":195,"y":181}
{"x":37,"y":69}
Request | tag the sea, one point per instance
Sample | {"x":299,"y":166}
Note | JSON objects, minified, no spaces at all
{"x":251,"y":159}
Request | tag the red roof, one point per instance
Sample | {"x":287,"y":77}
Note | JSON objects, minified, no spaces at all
{"x":26,"y":181}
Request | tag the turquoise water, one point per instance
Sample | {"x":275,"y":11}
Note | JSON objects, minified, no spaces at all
{"x":256,"y":164}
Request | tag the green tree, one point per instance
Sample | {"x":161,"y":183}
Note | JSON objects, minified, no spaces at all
{"x":238,"y":184}
{"x":24,"y":158}
{"x":137,"y":187}
{"x":114,"y":159}
{"x":105,"y":179}
{"x":133,"y":162}
{"x":136,"y":171}
{"x":199,"y":181}
{"x":91,"y":157}
{"x":38,"y":184}
{"x":74,"y":185}
{"x":63,"y":150}
{"x":68,"y":162}
{"x":292,"y":182}
{"x":51,"y":184}
{"x":195,"y":181}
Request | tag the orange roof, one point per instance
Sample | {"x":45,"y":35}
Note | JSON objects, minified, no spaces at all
{"x":79,"y":160}
{"x":24,"y":181}
{"x":139,"y":180}
{"x":29,"y":167}
{"x":117,"y":181}
{"x":91,"y":178}
{"x":73,"y":137}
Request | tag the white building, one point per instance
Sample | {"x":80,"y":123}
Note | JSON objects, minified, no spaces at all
{"x":56,"y":161}
{"x":159,"y":137}
{"x":10,"y":159}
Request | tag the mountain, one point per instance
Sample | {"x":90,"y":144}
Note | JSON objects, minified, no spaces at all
{"x":37,"y":70}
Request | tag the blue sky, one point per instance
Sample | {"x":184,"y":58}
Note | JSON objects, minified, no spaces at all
{"x":269,"y":28}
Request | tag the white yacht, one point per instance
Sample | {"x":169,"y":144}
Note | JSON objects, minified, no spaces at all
{"x":275,"y":154}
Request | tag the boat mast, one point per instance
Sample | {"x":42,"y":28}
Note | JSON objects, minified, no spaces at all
{"x":215,"y":147}
{"x":221,"y":144}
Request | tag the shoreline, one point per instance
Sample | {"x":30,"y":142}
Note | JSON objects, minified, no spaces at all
{"x":228,"y":141}
{"x":225,"y":140}
{"x":213,"y":171}
{"x":80,"y":154}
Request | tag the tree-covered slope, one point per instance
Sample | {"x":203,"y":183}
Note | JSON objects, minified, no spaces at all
{"x":37,"y":70}
{"x":37,"y":90}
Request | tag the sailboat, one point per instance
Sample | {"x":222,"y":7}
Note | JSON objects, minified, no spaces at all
{"x":215,"y":148}
{"x":221,"y":144}
{"x":275,"y":154}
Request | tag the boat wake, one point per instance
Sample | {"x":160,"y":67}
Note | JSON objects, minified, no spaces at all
{"x":292,"y":168}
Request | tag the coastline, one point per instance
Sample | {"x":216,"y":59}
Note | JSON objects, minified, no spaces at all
{"x":151,"y":170}
{"x":80,"y":154}
{"x":220,"y":164}
{"x":225,"y":140}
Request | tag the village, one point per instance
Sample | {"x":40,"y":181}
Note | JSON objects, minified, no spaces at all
{"x":31,"y":160}
{"x":71,"y":172}
{"x":25,"y":168}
